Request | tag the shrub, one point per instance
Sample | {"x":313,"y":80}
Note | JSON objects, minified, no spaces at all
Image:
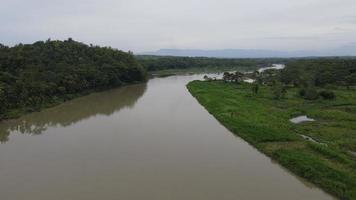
{"x":311,"y":94}
{"x":279,"y":91}
{"x":301,"y":92}
{"x":327,"y":94}
{"x":330,"y":87}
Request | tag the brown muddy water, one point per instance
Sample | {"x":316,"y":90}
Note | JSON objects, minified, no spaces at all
{"x":151,"y":141}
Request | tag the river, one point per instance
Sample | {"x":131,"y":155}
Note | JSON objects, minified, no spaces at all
{"x":150,"y":141}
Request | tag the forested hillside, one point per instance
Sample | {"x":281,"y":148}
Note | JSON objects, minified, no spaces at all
{"x":44,"y":73}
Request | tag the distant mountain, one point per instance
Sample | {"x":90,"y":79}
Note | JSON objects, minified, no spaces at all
{"x":252,"y":53}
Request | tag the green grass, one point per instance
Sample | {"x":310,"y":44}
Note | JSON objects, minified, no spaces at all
{"x":264,"y":122}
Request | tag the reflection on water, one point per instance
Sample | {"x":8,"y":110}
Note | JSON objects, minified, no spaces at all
{"x":103,"y":103}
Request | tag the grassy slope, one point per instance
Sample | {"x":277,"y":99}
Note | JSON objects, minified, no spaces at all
{"x":264,"y":123}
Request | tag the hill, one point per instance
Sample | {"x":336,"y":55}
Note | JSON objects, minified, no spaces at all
{"x":45,"y":73}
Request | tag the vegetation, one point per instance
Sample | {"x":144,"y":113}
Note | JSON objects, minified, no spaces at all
{"x":320,"y":72}
{"x":260,"y":114}
{"x":185,"y":71}
{"x":45,"y":73}
{"x":263,"y":121}
{"x":327,"y":94}
{"x":236,"y":77}
{"x":159,"y":63}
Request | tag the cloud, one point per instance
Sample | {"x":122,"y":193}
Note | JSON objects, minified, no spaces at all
{"x":348,"y":19}
{"x":342,"y":29}
{"x":145,"y":25}
{"x":294,"y":38}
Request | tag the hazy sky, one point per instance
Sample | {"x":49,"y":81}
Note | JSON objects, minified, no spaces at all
{"x":145,"y":25}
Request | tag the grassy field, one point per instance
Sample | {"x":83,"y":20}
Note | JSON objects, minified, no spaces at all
{"x":264,"y":122}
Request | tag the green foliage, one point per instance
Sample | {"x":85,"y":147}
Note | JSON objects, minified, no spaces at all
{"x":311,"y":93}
{"x":320,"y":72}
{"x":236,"y":77}
{"x":2,"y":101}
{"x":279,"y":91}
{"x":301,"y":92}
{"x":155,"y":63}
{"x":269,"y":77}
{"x":37,"y":74}
{"x":207,"y":78}
{"x":327,"y":94}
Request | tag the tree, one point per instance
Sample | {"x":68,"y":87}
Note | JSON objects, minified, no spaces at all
{"x":2,"y":100}
{"x":255,"y":74}
{"x":153,"y":63}
{"x":237,"y":77}
{"x":2,"y":46}
{"x":320,"y":72}
{"x":350,"y":80}
{"x":227,"y":77}
{"x":35,"y":74}
{"x":311,"y":93}
{"x":207,"y":78}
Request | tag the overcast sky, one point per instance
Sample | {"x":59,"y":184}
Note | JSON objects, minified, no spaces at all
{"x":146,"y":25}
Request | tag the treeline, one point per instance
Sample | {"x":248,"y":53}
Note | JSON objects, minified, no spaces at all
{"x":34,"y":75}
{"x":317,"y":78}
{"x":155,"y":63}
{"x":320,"y":72}
{"x":313,"y":77}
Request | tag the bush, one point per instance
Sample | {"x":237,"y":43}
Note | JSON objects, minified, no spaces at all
{"x":327,"y":94}
{"x":279,"y":91}
{"x":301,"y":92}
{"x":311,"y":94}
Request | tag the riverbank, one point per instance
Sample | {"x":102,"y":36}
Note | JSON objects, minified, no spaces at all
{"x":264,"y":123}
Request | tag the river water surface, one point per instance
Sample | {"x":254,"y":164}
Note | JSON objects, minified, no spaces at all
{"x":150,"y":141}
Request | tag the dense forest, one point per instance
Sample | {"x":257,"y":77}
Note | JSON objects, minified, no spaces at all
{"x":320,"y":72}
{"x":314,"y":77}
{"x":155,"y":63}
{"x":45,"y":73}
